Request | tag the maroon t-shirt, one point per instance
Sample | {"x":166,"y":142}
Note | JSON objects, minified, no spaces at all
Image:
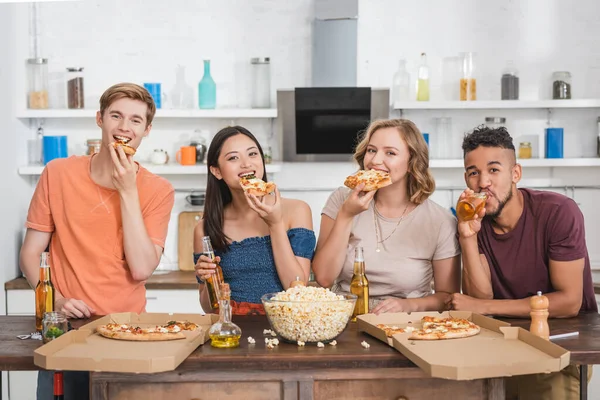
{"x":551,"y":227}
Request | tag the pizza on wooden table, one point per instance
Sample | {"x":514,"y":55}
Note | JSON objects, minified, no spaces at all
{"x":172,"y":330}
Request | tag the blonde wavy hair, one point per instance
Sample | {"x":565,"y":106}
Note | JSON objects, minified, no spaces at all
{"x":420,"y":182}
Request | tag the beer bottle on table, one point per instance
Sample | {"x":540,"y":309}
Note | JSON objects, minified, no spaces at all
{"x":213,"y":283}
{"x":359,"y":285}
{"x":44,"y":292}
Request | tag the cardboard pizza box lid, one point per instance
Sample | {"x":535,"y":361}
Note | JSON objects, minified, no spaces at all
{"x":498,"y":350}
{"x":85,"y":350}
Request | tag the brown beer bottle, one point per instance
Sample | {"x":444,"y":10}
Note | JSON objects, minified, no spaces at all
{"x":44,"y":292}
{"x":359,"y":285}
{"x":213,"y":283}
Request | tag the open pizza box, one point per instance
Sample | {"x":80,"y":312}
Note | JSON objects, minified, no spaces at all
{"x":498,"y":350}
{"x":85,"y":350}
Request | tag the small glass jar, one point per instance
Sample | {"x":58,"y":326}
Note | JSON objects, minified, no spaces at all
{"x":510,"y":83}
{"x":468,"y":83}
{"x":54,"y":325}
{"x":495,"y":122}
{"x":261,"y":81}
{"x":525,"y":150}
{"x":75,"y":92}
{"x":37,"y":71}
{"x":93,"y":146}
{"x":268,"y":155}
{"x":561,"y":85}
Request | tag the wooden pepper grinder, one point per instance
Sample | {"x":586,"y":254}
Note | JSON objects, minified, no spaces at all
{"x":539,"y":316}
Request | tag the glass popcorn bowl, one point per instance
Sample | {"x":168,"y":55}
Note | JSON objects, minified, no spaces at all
{"x":308,"y":314}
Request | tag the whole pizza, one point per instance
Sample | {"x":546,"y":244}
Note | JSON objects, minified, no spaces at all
{"x":373,"y":180}
{"x":172,"y":330}
{"x":433,"y":328}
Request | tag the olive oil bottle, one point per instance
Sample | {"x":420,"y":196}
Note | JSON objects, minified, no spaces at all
{"x":44,"y":292}
{"x":224,"y":333}
{"x":359,"y":285}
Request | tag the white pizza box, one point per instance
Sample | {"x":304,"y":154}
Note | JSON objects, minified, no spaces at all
{"x":85,"y":350}
{"x":499,"y":349}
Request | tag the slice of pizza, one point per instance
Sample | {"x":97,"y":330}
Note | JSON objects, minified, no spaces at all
{"x":181,"y":325}
{"x":444,"y":328}
{"x":373,"y":180}
{"x":390,"y":330}
{"x":252,"y":185}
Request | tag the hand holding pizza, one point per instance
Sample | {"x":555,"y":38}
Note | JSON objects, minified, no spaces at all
{"x":391,"y":305}
{"x":124,"y":171}
{"x":272,"y":214}
{"x":358,"y":201}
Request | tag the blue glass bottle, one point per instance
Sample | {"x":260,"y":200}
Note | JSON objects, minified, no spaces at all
{"x":207,"y":89}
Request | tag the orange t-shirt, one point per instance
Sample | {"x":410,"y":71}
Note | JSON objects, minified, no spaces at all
{"x":87,"y":256}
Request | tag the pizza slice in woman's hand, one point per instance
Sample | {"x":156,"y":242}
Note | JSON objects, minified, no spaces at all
{"x":252,"y":185}
{"x":372,"y":179}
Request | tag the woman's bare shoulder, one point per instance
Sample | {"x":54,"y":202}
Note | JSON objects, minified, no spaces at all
{"x":297,"y":212}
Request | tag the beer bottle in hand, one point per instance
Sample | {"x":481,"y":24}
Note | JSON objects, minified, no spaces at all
{"x":359,"y":285}
{"x":44,"y":292}
{"x":214,"y":282}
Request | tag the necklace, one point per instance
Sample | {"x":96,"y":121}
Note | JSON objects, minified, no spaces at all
{"x":375,"y":212}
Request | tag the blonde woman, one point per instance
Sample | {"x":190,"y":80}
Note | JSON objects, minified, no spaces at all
{"x":408,"y":240}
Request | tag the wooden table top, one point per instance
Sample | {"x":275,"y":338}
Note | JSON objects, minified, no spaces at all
{"x":16,"y":354}
{"x":159,"y":280}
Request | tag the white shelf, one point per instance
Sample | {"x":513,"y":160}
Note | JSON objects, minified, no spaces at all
{"x":232,"y":113}
{"x":169,"y":169}
{"x":497,"y":104}
{"x":527,"y":163}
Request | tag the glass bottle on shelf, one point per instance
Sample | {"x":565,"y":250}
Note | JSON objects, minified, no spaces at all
{"x":261,"y":82}
{"x":561,"y":85}
{"x":37,"y":71}
{"x":75,"y":93}
{"x":207,"y":89}
{"x":423,"y":80}
{"x":401,"y":84}
{"x":359,"y":285}
{"x":182,"y":94}
{"x":510,"y":83}
{"x":214,"y":282}
{"x":224,"y":333}
{"x":468,"y":83}
{"x":44,"y":292}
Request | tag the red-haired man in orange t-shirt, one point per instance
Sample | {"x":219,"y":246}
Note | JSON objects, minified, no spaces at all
{"x":104,"y":217}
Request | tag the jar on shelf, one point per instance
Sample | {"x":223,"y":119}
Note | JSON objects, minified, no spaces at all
{"x":510,"y":83}
{"x":561,"y":85}
{"x":93,"y":146}
{"x":54,"y":325}
{"x":75,"y":94}
{"x":468,"y":83}
{"x":37,"y":74}
{"x":261,"y":81}
{"x":495,"y":122}
{"x":525,"y":150}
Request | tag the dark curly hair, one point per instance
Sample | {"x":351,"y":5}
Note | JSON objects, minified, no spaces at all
{"x":487,"y":137}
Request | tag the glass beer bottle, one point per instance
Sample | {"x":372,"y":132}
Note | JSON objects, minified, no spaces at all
{"x":359,"y":285}
{"x":471,"y":205}
{"x":44,"y":292}
{"x":213,"y":283}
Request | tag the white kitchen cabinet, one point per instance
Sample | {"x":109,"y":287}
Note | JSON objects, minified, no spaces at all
{"x":20,"y":302}
{"x":173,"y":301}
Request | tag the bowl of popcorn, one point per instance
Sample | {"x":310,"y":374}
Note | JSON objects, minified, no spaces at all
{"x":308,"y":314}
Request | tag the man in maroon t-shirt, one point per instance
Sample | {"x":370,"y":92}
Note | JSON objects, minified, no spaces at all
{"x":524,"y":241}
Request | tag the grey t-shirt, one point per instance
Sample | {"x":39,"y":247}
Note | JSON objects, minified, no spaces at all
{"x":403,"y":266}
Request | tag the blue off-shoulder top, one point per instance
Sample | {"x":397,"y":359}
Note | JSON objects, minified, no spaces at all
{"x":249,"y":267}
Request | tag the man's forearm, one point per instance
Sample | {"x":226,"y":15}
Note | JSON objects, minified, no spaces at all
{"x":140,"y":251}
{"x":476,"y":281}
